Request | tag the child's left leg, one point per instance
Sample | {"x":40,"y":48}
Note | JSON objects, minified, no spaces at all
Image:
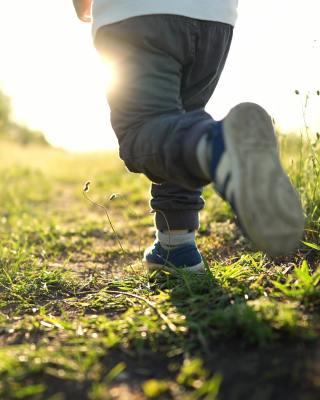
{"x":180,"y":204}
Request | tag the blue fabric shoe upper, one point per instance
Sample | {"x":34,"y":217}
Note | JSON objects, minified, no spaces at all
{"x":218,"y":147}
{"x":184,"y":256}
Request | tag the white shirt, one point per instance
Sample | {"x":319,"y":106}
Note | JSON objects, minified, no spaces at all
{"x":105,"y":12}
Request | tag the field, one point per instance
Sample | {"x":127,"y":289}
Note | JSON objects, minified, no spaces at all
{"x":81,"y":318}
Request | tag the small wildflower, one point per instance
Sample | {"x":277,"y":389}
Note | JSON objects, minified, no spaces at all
{"x":296,"y":91}
{"x":86,"y":186}
{"x":112,"y":197}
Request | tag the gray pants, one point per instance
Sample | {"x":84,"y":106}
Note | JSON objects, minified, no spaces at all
{"x":167,"y":68}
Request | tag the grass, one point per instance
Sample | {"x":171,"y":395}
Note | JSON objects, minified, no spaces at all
{"x":77,"y":322}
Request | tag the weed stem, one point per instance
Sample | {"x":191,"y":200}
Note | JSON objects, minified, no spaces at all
{"x":114,"y":231}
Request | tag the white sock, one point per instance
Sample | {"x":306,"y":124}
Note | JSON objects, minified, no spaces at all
{"x":204,"y":154}
{"x":172,"y":241}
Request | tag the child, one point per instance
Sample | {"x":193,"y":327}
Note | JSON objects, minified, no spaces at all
{"x":168,"y":56}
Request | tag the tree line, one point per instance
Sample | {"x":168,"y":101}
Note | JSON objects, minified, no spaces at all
{"x":14,"y":131}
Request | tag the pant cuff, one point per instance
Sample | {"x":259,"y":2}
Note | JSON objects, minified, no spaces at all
{"x":188,"y":219}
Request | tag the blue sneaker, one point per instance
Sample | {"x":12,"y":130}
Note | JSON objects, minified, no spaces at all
{"x":247,"y":172}
{"x":186,"y":256}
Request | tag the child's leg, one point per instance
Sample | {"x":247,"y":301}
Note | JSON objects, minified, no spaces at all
{"x":179,"y":203}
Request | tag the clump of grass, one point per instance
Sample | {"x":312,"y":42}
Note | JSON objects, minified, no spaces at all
{"x":311,"y":183}
{"x":30,"y":287}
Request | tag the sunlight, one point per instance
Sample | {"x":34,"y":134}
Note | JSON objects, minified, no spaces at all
{"x":107,"y":74}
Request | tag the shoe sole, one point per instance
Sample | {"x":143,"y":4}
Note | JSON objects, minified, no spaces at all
{"x":194,"y":268}
{"x":267,"y":205}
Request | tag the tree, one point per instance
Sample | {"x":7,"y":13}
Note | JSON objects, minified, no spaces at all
{"x":11,"y":130}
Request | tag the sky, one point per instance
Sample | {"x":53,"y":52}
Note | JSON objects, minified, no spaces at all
{"x":50,"y":69}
